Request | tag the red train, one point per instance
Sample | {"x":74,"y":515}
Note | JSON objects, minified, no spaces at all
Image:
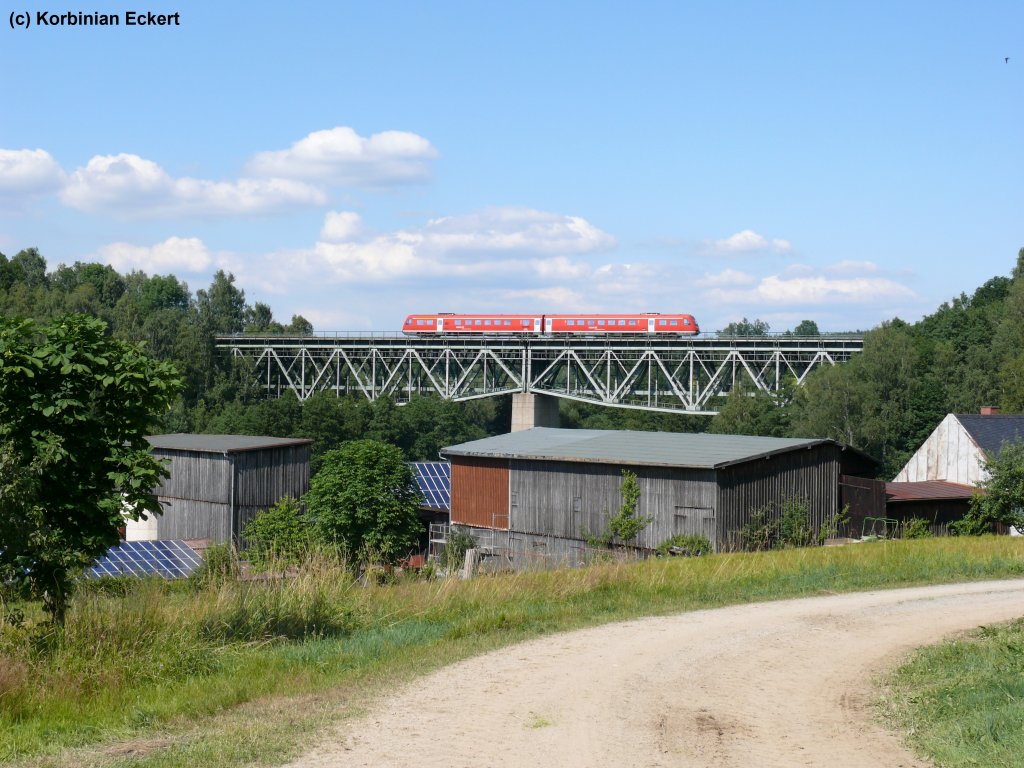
{"x":594,"y":323}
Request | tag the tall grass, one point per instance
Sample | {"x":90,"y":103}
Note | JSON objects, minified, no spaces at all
{"x":152,"y":657}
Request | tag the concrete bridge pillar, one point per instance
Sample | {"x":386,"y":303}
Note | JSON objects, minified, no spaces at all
{"x":530,"y":410}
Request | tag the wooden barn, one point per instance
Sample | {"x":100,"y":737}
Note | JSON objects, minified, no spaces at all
{"x":954,"y":452}
{"x":937,"y":482}
{"x":219,"y":482}
{"x":546,"y":489}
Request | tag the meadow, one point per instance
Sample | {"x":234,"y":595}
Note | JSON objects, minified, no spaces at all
{"x":226,"y":672}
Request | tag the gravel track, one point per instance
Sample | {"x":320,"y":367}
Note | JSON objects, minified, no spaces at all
{"x":788,"y":683}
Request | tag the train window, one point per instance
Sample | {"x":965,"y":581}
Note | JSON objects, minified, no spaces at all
{"x":663,"y":323}
{"x":458,"y":322}
{"x":487,"y":322}
{"x":622,"y":322}
{"x":686,"y":321}
{"x":525,"y":323}
{"x":590,"y":322}
{"x":600,"y":322}
{"x":675,"y":322}
{"x":476,"y":322}
{"x":419,"y":322}
{"x":408,"y":321}
{"x":632,"y":322}
{"x":508,"y":322}
{"x":430,"y":321}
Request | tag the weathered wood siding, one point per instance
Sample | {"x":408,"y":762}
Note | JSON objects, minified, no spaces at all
{"x":212,"y":495}
{"x":194,"y":519}
{"x":480,"y":492}
{"x":571,"y":499}
{"x":196,"y":475}
{"x":811,"y":474}
{"x":266,"y":476}
{"x":864,"y":498}
{"x":949,"y":453}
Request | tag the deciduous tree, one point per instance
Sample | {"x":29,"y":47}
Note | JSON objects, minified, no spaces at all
{"x":364,"y":498}
{"x":75,"y":406}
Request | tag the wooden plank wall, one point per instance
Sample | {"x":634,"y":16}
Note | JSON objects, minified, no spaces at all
{"x":574,"y":499}
{"x":197,"y":496}
{"x":194,"y":519}
{"x":807,"y":473}
{"x":863,"y":498}
{"x":480,"y":492}
{"x":196,"y":475}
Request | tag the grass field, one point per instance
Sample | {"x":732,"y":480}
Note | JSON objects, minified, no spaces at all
{"x":235,"y":673}
{"x":962,"y":701}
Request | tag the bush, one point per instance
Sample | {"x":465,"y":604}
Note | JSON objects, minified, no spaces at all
{"x":459,"y":542}
{"x":692,"y":545}
{"x":916,"y":528}
{"x":278,"y":537}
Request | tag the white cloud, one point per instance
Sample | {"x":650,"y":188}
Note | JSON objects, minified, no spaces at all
{"x":516,"y":229}
{"x":341,"y":156}
{"x":175,"y":254}
{"x":816,"y":290}
{"x":340,"y":226}
{"x":26,"y":172}
{"x":514,"y":242}
{"x":127,"y":183}
{"x":747,"y":241}
{"x":727,"y":277}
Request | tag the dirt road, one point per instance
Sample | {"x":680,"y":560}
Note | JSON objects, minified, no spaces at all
{"x":772,"y":684}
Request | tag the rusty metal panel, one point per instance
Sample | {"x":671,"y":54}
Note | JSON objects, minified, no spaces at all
{"x":480,"y":494}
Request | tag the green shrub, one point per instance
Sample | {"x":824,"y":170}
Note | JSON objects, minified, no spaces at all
{"x":459,"y":542}
{"x":691,"y":545}
{"x":916,"y":528}
{"x":277,"y":538}
{"x":795,"y":524}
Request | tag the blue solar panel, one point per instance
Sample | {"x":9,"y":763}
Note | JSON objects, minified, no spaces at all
{"x":434,"y":479}
{"x":170,"y":559}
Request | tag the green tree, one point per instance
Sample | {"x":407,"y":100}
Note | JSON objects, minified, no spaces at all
{"x":806,"y":328}
{"x":75,"y":406}
{"x":751,"y":411}
{"x":746,"y":327}
{"x":627,"y":524}
{"x":364,"y":498}
{"x":1001,"y":500}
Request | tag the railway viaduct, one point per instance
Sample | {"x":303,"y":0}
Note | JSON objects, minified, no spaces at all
{"x":678,"y":375}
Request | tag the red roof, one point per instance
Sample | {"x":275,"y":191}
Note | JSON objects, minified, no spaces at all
{"x":927,"y":490}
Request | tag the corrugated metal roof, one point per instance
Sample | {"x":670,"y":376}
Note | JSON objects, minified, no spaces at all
{"x":991,"y":432}
{"x":670,"y":449}
{"x":927,"y":490}
{"x":221,"y":443}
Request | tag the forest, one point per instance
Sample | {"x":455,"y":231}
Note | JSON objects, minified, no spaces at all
{"x":969,"y":352}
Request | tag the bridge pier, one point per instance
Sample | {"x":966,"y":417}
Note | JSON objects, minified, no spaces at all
{"x":530,"y":410}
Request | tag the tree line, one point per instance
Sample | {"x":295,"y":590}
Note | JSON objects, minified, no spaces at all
{"x":885,"y":401}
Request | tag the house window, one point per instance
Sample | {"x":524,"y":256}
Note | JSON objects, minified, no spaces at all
{"x":513,"y":498}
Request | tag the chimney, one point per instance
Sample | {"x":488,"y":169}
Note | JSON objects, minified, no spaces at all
{"x":989,"y":410}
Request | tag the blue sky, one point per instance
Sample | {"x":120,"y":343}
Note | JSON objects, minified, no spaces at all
{"x":354,"y":162}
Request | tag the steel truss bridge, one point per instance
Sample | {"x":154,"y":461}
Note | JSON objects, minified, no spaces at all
{"x":678,"y":375}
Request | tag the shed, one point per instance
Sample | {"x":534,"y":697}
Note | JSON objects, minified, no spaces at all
{"x":548,"y":488}
{"x":218,"y":483}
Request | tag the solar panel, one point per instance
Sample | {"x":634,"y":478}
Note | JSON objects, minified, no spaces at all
{"x":169,"y":559}
{"x":434,"y":479}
